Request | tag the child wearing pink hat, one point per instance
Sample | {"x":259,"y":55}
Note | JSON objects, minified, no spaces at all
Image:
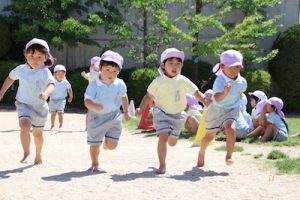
{"x":94,"y":69}
{"x":224,"y":110}
{"x":103,"y":98}
{"x":36,"y":84}
{"x":169,"y":93}
{"x":272,"y":122}
{"x":256,"y":97}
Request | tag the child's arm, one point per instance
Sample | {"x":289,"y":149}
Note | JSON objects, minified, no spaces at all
{"x":47,"y":92}
{"x":147,"y":99}
{"x":200,"y":96}
{"x":7,"y":83}
{"x":125,"y":106}
{"x":92,"y":106}
{"x":70,"y":93}
{"x":262,"y":120}
{"x":219,"y":96}
{"x":84,"y":75}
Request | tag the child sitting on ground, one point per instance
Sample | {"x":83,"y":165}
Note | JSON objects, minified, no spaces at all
{"x":255,"y":98}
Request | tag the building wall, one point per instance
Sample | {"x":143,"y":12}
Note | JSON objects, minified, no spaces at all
{"x":79,"y":56}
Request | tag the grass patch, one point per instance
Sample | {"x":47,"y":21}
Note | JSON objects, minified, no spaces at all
{"x":289,"y":166}
{"x":276,"y":154}
{"x":132,"y":124}
{"x":257,"y":156}
{"x":236,"y":148}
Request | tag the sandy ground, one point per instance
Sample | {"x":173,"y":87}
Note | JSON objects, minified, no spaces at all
{"x":127,"y":172}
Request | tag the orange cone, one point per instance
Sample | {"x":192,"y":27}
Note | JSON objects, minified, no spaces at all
{"x":143,"y":123}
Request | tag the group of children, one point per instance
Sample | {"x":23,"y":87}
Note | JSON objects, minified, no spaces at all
{"x":106,"y":93}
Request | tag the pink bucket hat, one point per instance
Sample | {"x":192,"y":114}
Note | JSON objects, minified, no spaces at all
{"x":228,"y":58}
{"x":259,"y":94}
{"x":171,"y":53}
{"x":50,"y":60}
{"x":95,"y":60}
{"x":113,"y":57}
{"x":275,"y":101}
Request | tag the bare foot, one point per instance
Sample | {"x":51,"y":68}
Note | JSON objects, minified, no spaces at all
{"x":161,"y":169}
{"x":200,"y":162}
{"x":229,"y":161}
{"x":38,"y":160}
{"x":24,"y":159}
{"x":94,"y":168}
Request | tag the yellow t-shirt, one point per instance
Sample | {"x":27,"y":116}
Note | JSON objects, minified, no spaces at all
{"x":170,"y":93}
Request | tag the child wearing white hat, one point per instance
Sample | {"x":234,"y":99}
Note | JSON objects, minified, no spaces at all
{"x":93,"y":70}
{"x":57,"y":101}
{"x":169,"y":93}
{"x":255,"y":98}
{"x":36,"y":84}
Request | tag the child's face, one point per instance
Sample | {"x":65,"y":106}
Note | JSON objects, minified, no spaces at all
{"x":172,"y":67}
{"x":253,"y":102}
{"x":270,"y":108}
{"x":231,"y":72}
{"x":59,"y":75}
{"x":95,"y":67}
{"x":35,"y":59}
{"x":109,"y":73}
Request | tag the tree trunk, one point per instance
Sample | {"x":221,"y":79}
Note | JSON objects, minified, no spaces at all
{"x":145,"y":32}
{"x":199,"y":5}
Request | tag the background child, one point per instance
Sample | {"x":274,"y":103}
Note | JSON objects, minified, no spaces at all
{"x":272,"y":123}
{"x":169,"y":93}
{"x":255,"y":98}
{"x":193,"y":111}
{"x":224,"y":110}
{"x":244,"y":123}
{"x":103,"y":97}
{"x":36,"y":83}
{"x":57,"y":101}
{"x":94,"y":69}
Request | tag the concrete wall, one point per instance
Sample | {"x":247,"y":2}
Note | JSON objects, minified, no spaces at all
{"x":79,"y":56}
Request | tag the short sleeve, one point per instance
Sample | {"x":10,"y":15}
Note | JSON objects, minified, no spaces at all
{"x":123,"y":88}
{"x":49,"y":78}
{"x":15,"y":73}
{"x":68,"y":85}
{"x":218,"y":85}
{"x":191,"y":87}
{"x":152,"y":88}
{"x":90,"y":91}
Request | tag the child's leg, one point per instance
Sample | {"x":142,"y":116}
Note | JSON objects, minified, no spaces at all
{"x":206,"y":140}
{"x":162,"y":152}
{"x":269,"y":133}
{"x":38,"y":140}
{"x":60,"y":119}
{"x":109,"y":144}
{"x":94,"y":154}
{"x":256,"y":132}
{"x":25,"y":125}
{"x":53,"y":114}
{"x":192,"y":124}
{"x":229,"y":126}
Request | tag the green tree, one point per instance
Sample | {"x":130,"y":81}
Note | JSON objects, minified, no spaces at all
{"x":57,"y":21}
{"x":243,"y":34}
{"x":137,"y":25}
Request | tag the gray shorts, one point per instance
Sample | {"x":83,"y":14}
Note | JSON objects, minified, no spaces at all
{"x":103,"y":125}
{"x":216,"y":116}
{"x":57,"y":106}
{"x":38,"y":115}
{"x":168,"y":123}
{"x":280,"y":136}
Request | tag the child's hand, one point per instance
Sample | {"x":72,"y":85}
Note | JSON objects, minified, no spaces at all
{"x":227,"y":88}
{"x":43,"y":96}
{"x":127,"y":116}
{"x":138,"y":111}
{"x":98,"y":107}
{"x":83,"y":73}
{"x":70,"y":99}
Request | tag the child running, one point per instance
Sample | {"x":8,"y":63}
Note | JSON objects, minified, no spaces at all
{"x":224,"y":110}
{"x":57,"y":101}
{"x":94,"y":69}
{"x":103,"y":98}
{"x":169,"y":92}
{"x":36,"y":84}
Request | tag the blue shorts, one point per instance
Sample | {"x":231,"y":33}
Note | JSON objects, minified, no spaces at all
{"x":103,"y":125}
{"x":280,"y":136}
{"x":57,"y":106}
